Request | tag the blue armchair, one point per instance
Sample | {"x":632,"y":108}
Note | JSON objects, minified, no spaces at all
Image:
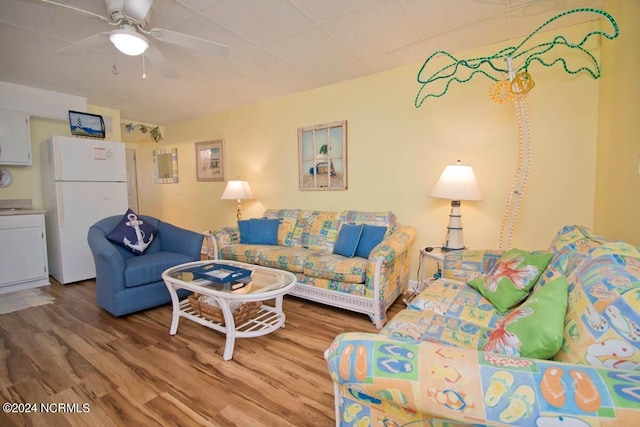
{"x":126,"y":283}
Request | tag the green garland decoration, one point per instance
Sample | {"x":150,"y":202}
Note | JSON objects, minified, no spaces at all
{"x":155,"y":133}
{"x":487,"y":66}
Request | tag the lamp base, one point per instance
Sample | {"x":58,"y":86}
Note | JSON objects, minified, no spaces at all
{"x":455,"y":241}
{"x":238,"y":212}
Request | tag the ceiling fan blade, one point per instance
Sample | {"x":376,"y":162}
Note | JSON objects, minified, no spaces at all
{"x":85,"y":44}
{"x":161,"y":62}
{"x":137,"y":10}
{"x":190,"y":42}
{"x":76,"y":10}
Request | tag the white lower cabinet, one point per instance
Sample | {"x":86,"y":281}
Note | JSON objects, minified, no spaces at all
{"x":23,"y":252}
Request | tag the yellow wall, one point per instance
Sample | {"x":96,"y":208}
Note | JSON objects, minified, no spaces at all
{"x":618,"y":169}
{"x":397,"y":152}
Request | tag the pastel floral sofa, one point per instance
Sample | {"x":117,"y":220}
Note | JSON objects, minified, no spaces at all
{"x":305,"y":245}
{"x":452,"y":358}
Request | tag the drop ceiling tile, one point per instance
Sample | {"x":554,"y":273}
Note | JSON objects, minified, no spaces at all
{"x":326,"y":9}
{"x":284,"y":19}
{"x":261,"y":66}
{"x":380,"y":60}
{"x":24,"y":14}
{"x":433,"y":18}
{"x":14,"y":39}
{"x":308,"y":49}
{"x":337,"y":71}
{"x":202,"y":27}
{"x":73,"y":28}
{"x":360,"y":30}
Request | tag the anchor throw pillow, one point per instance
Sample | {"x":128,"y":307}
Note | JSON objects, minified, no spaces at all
{"x":133,"y":233}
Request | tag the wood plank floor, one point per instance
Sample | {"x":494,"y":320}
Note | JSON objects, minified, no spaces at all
{"x":130,"y":372}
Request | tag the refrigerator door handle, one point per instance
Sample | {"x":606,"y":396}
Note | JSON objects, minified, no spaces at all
{"x":60,"y":204}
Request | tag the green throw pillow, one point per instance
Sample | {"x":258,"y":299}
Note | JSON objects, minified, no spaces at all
{"x":511,"y":278}
{"x":536,"y":328}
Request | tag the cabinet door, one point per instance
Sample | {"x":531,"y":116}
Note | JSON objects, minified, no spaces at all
{"x":21,"y":255}
{"x":15,"y":138}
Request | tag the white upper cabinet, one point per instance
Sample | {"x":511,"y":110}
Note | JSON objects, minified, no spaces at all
{"x":15,"y":138}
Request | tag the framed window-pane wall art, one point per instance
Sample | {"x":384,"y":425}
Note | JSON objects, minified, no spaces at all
{"x":322,"y":156}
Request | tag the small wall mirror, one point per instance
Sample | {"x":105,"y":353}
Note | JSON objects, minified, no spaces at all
{"x":165,"y":166}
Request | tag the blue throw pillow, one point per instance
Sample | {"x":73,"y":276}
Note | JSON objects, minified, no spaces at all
{"x":243,"y":226}
{"x":348,"y":239}
{"x":371,"y":236}
{"x":133,"y":233}
{"x":263,"y":231}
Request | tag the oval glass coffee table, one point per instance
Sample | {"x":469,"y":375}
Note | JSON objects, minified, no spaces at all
{"x":263,"y":284}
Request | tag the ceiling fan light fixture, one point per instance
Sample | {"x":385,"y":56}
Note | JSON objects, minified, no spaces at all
{"x":128,"y":41}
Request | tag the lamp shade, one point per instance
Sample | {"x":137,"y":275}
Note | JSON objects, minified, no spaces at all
{"x":128,"y":41}
{"x":457,"y":182}
{"x":237,"y":190}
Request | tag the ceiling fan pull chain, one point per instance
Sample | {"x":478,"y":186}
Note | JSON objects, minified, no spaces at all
{"x":144,"y":74}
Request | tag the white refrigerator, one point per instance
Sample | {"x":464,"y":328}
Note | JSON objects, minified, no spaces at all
{"x":84,"y":180}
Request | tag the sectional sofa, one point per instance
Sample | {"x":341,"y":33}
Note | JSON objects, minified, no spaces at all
{"x":564,"y":352}
{"x":305,"y":242}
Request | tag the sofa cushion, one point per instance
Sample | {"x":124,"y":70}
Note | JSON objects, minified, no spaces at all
{"x":430,"y":326}
{"x":511,"y":278}
{"x":535,"y":328}
{"x":336,"y":267}
{"x":289,"y":218}
{"x":322,"y":231}
{"x":348,"y":239}
{"x":602,"y":326}
{"x":385,"y":219}
{"x":358,"y":289}
{"x":371,"y":237}
{"x":457,"y":300}
{"x":133,"y":233}
{"x":148,"y":268}
{"x":285,"y":258}
{"x":469,"y":264}
{"x":243,"y":253}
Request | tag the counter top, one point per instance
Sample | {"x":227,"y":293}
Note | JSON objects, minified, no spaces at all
{"x":10,"y":212}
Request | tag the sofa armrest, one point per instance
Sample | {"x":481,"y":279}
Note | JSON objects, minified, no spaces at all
{"x":180,"y":240}
{"x":225,"y":236}
{"x":387,"y":272}
{"x":428,"y":380}
{"x":109,"y":262}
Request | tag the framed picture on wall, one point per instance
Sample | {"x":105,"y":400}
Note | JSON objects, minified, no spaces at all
{"x":210,"y":160}
{"x":322,"y":156}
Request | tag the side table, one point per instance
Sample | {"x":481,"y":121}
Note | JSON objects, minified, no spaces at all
{"x":435,"y":254}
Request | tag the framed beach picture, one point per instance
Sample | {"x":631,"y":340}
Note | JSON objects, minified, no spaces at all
{"x":322,"y":156}
{"x":210,"y":160}
{"x":85,"y":124}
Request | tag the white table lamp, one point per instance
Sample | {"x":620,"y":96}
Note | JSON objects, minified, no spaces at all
{"x":457,"y":182}
{"x":238,"y":190}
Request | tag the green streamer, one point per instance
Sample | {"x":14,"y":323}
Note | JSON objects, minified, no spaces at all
{"x":494,"y":66}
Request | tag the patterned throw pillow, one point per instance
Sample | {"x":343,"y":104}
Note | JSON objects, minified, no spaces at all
{"x":285,"y":231}
{"x":133,"y":233}
{"x":348,"y":239}
{"x":511,"y":278}
{"x":536,"y":328}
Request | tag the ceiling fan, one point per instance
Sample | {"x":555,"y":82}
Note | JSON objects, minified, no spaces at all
{"x":134,"y":37}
